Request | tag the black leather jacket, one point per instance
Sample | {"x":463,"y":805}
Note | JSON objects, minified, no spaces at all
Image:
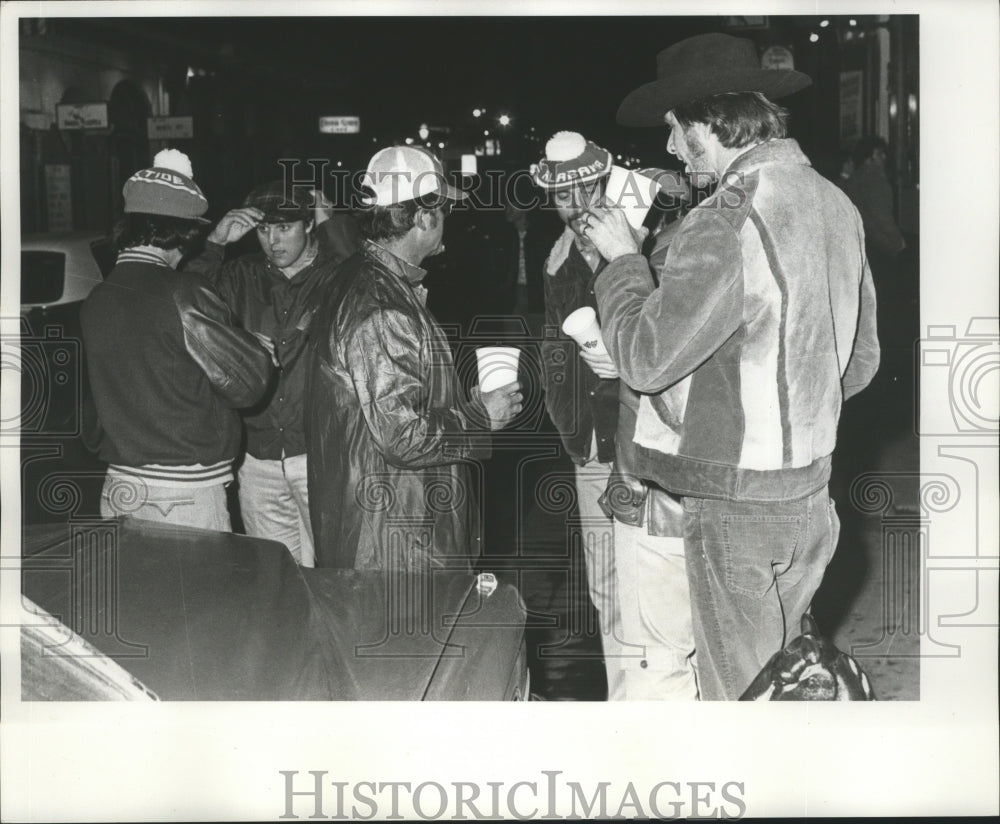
{"x":167,"y":367}
{"x":388,"y":437}
{"x":267,"y":301}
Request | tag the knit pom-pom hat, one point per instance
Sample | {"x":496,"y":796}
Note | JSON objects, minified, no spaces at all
{"x":570,"y":159}
{"x":167,"y":189}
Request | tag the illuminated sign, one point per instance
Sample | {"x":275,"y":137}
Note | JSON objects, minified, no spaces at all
{"x":339,"y":124}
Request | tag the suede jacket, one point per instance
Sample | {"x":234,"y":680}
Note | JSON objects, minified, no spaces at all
{"x":389,"y":438}
{"x":762,"y":319}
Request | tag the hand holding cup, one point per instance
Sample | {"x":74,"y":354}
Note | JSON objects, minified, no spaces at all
{"x":582,"y":326}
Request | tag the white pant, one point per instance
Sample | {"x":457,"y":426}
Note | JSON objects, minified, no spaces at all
{"x":274,"y":502}
{"x":655,"y":606}
{"x":200,"y":506}
{"x":599,"y":551}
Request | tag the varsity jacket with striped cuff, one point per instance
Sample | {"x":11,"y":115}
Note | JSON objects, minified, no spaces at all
{"x":167,"y":371}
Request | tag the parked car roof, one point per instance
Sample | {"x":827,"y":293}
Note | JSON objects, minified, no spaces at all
{"x":60,"y":268}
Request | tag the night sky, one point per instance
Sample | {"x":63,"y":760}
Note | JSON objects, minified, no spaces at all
{"x":553,"y":73}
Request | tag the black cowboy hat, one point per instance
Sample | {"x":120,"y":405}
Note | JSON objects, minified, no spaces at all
{"x":701,"y":66}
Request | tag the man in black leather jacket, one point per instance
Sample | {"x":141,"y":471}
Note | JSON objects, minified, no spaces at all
{"x":390,"y":437}
{"x":168,"y":368}
{"x":273,"y":292}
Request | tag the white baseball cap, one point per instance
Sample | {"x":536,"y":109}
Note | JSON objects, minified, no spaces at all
{"x":402,"y":173}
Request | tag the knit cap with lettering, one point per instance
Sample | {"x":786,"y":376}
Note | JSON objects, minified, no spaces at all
{"x":166,"y":189}
{"x":570,"y":159}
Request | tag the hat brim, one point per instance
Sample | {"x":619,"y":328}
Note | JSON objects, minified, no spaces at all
{"x":647,"y":105}
{"x":452,"y":193}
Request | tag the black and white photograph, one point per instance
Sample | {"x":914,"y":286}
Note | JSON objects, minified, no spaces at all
{"x":385,"y":375}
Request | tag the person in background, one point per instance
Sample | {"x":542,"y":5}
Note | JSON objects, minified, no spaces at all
{"x":274,"y":293}
{"x":582,"y":399}
{"x":168,"y":366}
{"x":869,"y":189}
{"x":388,"y":430}
{"x":763,"y":309}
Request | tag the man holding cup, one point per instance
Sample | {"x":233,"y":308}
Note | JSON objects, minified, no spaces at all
{"x":388,"y":432}
{"x":582,"y":401}
{"x":763,"y":309}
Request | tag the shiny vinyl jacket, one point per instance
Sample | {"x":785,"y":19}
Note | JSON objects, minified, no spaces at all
{"x":390,"y":443}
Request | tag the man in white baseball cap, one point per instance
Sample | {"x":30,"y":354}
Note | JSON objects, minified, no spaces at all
{"x":389,"y":430}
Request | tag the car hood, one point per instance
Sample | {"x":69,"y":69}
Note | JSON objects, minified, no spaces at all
{"x":202,"y":615}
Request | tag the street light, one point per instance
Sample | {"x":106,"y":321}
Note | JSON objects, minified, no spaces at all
{"x":423,"y":131}
{"x":503,"y":120}
{"x":477,"y":112}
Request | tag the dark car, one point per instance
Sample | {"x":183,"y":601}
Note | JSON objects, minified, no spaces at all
{"x":189,"y":614}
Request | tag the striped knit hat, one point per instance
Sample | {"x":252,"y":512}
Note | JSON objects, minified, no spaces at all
{"x":570,"y":159}
{"x":166,"y":189}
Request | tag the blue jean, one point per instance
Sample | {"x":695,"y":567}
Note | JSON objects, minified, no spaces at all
{"x":753,"y":569}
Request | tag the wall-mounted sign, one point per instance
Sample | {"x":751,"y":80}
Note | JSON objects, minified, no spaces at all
{"x":168,"y":128}
{"x":82,"y":115}
{"x":777,"y":57}
{"x":339,"y":124}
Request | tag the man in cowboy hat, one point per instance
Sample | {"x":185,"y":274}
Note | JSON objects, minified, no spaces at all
{"x":762,"y":317}
{"x":389,"y":431}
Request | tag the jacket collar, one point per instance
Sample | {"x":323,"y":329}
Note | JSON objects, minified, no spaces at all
{"x":399,"y":267}
{"x":300,"y":276}
{"x":143,"y":254}
{"x":772,"y":152}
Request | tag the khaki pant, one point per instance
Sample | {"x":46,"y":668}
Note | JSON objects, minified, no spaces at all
{"x":655,"y":608}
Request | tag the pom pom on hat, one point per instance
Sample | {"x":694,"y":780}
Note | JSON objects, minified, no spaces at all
{"x":570,"y":159}
{"x":166,"y":189}
{"x":565,"y":146}
{"x":175,"y":161}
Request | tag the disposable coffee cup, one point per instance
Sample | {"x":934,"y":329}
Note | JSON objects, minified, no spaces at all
{"x":582,"y":326}
{"x":497,"y":366}
{"x":632,"y":192}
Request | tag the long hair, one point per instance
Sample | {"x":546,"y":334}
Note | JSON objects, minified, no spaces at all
{"x":738,"y":119}
{"x":140,"y":229}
